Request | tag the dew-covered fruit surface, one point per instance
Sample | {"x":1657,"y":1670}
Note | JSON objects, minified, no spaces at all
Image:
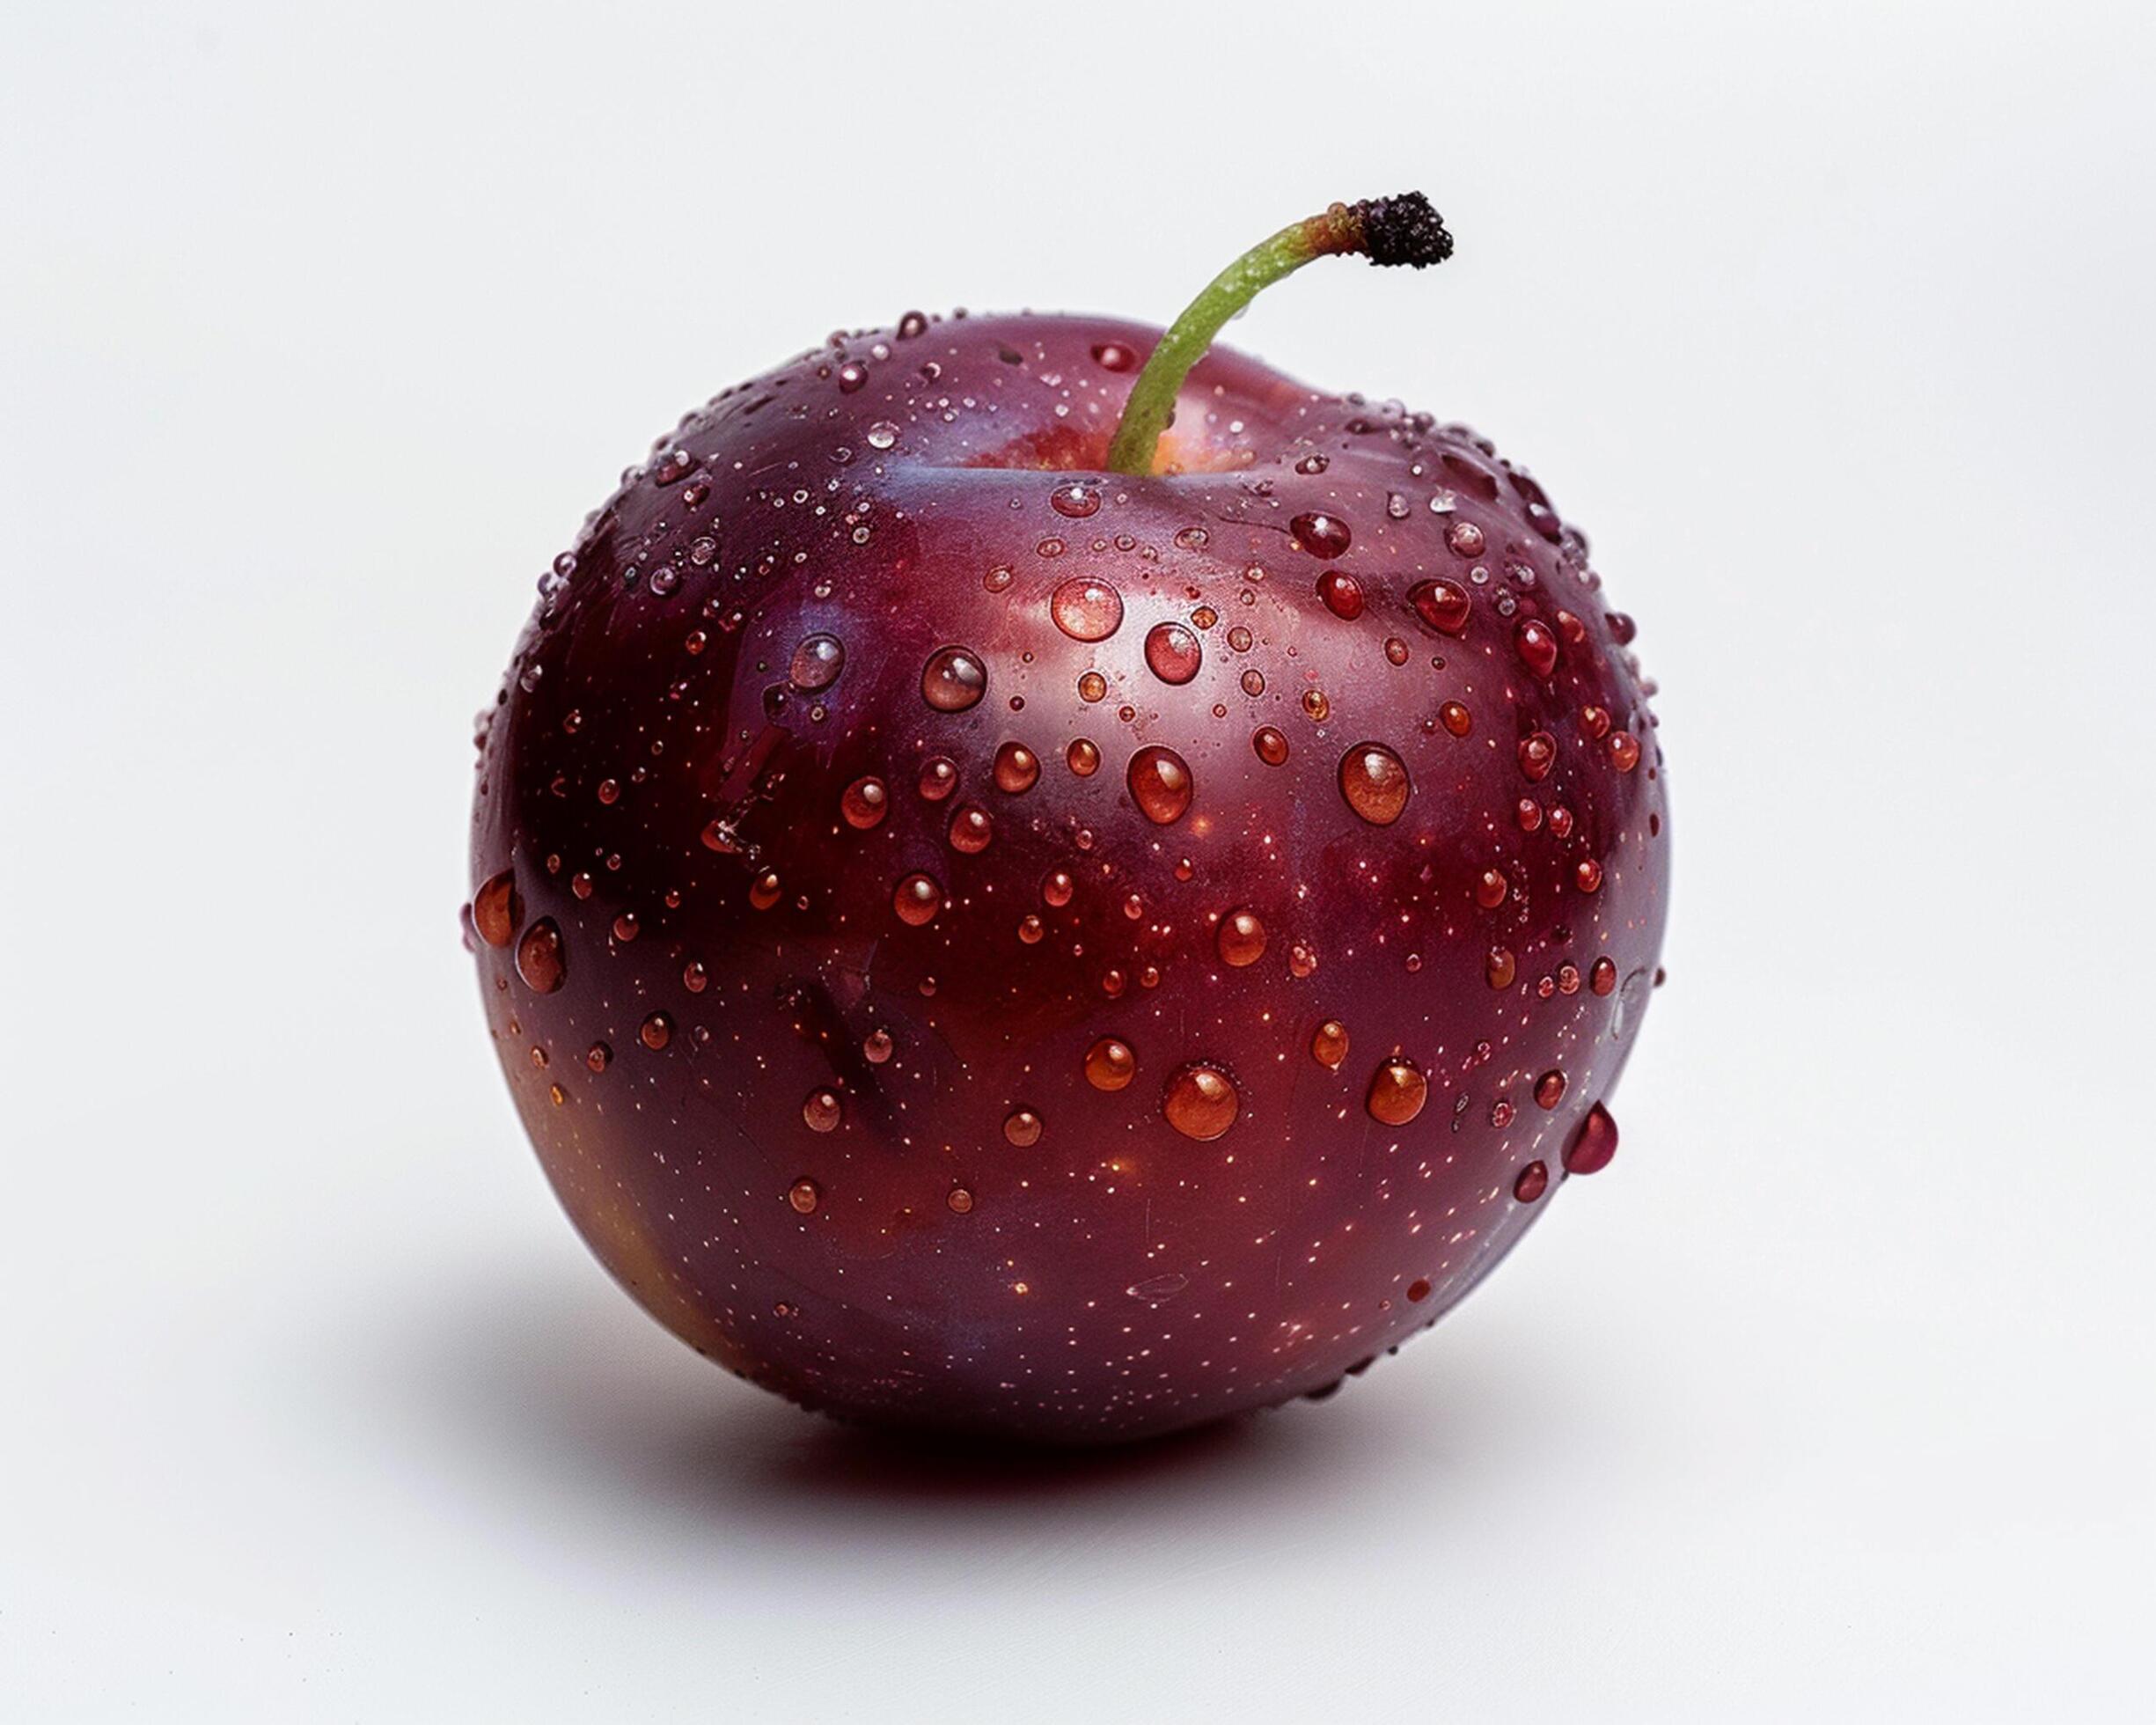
{"x":981,"y":941}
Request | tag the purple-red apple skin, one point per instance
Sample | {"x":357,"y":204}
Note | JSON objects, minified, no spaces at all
{"x":818,"y":1093}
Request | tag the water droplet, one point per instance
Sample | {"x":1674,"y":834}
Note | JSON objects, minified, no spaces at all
{"x":1057,"y":889}
{"x":1315,"y":462}
{"x":1536,"y":645}
{"x":1398,"y":1093}
{"x":1192,"y":538}
{"x":1396,"y":651}
{"x":1532,"y":1181}
{"x":1083,"y":757}
{"x":1537,"y":755}
{"x":876,"y":1047}
{"x":1172,"y":653}
{"x":953,"y":680}
{"x":1242,"y":939}
{"x":1316,"y":705}
{"x":1160,"y":784}
{"x":1086,"y":609}
{"x":1110,"y":1064}
{"x":804,"y":1195}
{"x":598,"y":1056}
{"x":1113,"y":357}
{"x":816,"y":663}
{"x":1499,"y":967}
{"x":1419,"y":1290}
{"x":1587,"y":875}
{"x":998,"y":578}
{"x":626,"y":927}
{"x":1443,"y":605}
{"x":1549,"y":1090}
{"x":1373,"y":780}
{"x":1017,"y":768}
{"x":1271,"y":744}
{"x":883,"y":435}
{"x":1201,"y":1102}
{"x":1021,"y":1126}
{"x":1328,"y":1044}
{"x":541,"y":958}
{"x":852,"y":376}
{"x":821,"y":1112}
{"x":763,"y":889}
{"x":939,"y":777}
{"x":1320,"y":535}
{"x":1589,"y":1153}
{"x":971,"y":829}
{"x":656,"y":1032}
{"x":1342,"y":594}
{"x":1077,"y":499}
{"x":864,"y":802}
{"x":1624,"y":750}
{"x":959,"y":1201}
{"x":1465,"y":539}
{"x":1092,"y":686}
{"x":917,"y":900}
{"x":497,"y":908}
{"x":1602,"y":978}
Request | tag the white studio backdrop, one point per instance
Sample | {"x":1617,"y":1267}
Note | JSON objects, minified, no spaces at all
{"x":321,"y":330}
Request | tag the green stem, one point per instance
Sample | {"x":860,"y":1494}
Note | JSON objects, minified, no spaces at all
{"x":1386,"y":231}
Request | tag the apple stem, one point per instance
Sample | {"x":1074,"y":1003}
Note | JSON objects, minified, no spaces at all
{"x":1386,"y":231}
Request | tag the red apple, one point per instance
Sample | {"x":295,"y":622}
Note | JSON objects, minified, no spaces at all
{"x":985,"y":940}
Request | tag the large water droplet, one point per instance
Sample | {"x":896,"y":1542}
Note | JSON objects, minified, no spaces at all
{"x":1086,"y":609}
{"x":1373,"y":780}
{"x":1077,"y":498}
{"x":541,"y":958}
{"x":1242,"y":939}
{"x":1589,"y":1153}
{"x":1160,"y":784}
{"x":822,"y":1111}
{"x":1109,"y":1065}
{"x":816,"y":663}
{"x":1016,"y":768}
{"x":1398,"y":1093}
{"x":1201,"y":1102}
{"x":497,"y":908}
{"x":1021,"y":1126}
{"x":1443,"y":605}
{"x":864,"y":802}
{"x":970,"y":830}
{"x":953,"y":680}
{"x":1172,"y":653}
{"x":917,"y":900}
{"x":1342,"y":594}
{"x":1320,"y":535}
{"x":1328,"y":1044}
{"x":1537,"y":647}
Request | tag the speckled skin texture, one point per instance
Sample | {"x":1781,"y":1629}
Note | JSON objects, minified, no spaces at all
{"x":967,"y":1233}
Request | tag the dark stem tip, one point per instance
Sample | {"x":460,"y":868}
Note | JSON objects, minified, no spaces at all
{"x":1403,"y":230}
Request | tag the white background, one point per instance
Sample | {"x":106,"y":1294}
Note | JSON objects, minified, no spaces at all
{"x":320,"y":334}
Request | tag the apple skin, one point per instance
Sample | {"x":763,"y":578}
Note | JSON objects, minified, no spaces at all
{"x":826,"y":1174}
